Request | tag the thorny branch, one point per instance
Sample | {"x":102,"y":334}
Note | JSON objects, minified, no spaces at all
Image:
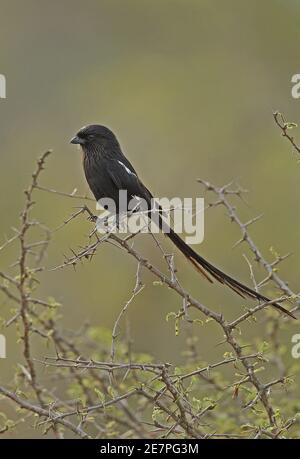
{"x":93,"y":390}
{"x":285,"y":129}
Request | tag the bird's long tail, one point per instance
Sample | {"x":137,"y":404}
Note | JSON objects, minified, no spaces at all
{"x":207,"y":270}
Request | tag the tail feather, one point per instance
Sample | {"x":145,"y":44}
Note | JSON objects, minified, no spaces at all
{"x":207,"y":269}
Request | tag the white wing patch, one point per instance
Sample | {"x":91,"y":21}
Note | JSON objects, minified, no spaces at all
{"x":126,"y":168}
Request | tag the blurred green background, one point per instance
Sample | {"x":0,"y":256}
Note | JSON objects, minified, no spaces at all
{"x":189,"y":87}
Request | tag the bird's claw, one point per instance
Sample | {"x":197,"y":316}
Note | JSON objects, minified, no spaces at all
{"x":92,"y":218}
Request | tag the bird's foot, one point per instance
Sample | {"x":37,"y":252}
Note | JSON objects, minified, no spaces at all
{"x":92,"y":218}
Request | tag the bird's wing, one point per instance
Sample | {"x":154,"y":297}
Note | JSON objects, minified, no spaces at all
{"x":124,"y":177}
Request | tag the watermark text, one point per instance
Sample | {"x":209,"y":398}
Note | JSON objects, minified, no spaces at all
{"x":2,"y":87}
{"x":138,"y":215}
{"x":2,"y":347}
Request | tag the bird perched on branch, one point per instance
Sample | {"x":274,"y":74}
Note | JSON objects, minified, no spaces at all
{"x":108,"y":171}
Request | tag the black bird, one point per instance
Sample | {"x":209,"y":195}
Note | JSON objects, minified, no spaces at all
{"x":108,"y":171}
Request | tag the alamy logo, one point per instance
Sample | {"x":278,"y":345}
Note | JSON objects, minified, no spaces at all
{"x":2,"y":347}
{"x":2,"y":87}
{"x":296,"y":88}
{"x":131,"y":215}
{"x":296,"y":348}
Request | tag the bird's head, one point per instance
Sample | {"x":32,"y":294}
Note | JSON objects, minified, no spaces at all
{"x":94,"y":135}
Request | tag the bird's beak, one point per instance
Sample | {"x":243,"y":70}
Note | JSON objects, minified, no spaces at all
{"x":77,"y":140}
